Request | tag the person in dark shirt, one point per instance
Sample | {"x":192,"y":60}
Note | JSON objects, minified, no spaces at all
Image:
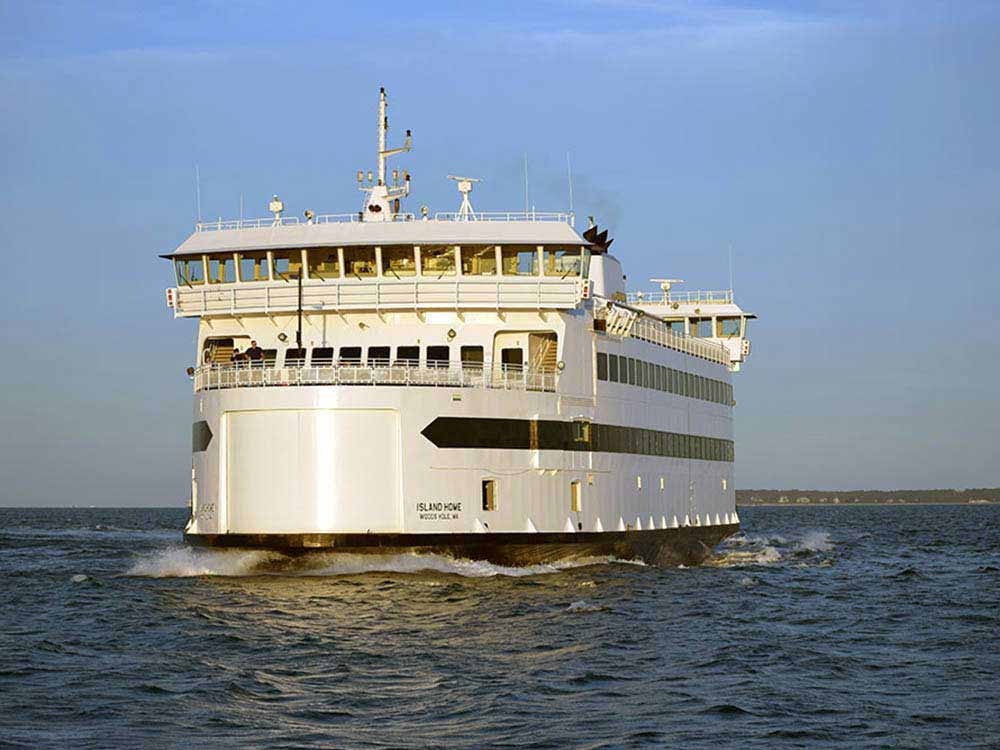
{"x":236,"y":358}
{"x":255,"y":354}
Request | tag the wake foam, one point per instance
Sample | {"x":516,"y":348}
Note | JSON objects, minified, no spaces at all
{"x":816,"y":541}
{"x":326,"y":564}
{"x":765,"y":556}
{"x":768,"y":549}
{"x":185,"y":562}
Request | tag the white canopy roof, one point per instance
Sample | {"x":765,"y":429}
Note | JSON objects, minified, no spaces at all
{"x":343,"y":234}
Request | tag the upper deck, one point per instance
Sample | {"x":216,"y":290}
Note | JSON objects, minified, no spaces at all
{"x":517,"y":261}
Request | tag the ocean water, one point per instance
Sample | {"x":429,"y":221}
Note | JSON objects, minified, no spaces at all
{"x":815,"y":627}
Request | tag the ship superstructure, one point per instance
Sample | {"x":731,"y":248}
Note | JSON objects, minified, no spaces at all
{"x":473,"y":383}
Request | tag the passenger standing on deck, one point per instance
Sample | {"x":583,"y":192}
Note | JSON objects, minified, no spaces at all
{"x":255,"y":354}
{"x":236,"y":358}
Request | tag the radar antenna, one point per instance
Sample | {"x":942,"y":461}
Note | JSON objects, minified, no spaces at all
{"x":465,"y":212}
{"x":665,"y":286}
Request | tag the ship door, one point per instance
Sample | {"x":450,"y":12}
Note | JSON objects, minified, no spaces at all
{"x":508,"y":352}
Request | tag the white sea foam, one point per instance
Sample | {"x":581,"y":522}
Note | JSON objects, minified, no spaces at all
{"x":765,"y":556}
{"x":348,"y":564}
{"x":584,"y":606}
{"x":185,"y":562}
{"x":816,"y":541}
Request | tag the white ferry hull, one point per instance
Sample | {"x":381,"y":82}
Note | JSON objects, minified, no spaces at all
{"x":376,"y":468}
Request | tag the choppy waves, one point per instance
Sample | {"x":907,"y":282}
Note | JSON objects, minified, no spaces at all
{"x":816,"y":627}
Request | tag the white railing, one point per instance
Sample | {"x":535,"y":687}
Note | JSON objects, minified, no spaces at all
{"x":658,"y":332}
{"x":565,"y":218}
{"x":716,"y":297}
{"x":285,"y":221}
{"x":252,"y":375}
{"x":418,"y":293}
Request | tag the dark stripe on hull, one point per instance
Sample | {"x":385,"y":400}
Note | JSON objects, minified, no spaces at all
{"x":556,"y":435}
{"x":689,"y":545}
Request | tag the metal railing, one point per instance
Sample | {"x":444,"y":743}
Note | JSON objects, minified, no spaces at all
{"x":565,"y":218}
{"x":715,"y":297}
{"x":416,"y":293}
{"x":285,"y":221}
{"x":659,"y":332}
{"x":468,"y":375}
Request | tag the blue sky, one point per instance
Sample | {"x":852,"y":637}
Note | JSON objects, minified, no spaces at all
{"x":847,"y":152}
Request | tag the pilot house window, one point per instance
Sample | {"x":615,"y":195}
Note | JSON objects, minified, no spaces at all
{"x":287,"y":264}
{"x":519,"y":261}
{"x":728,"y":327}
{"x":359,"y":262}
{"x":479,"y":261}
{"x":190,"y":271}
{"x":221,"y":269}
{"x":398,"y":262}
{"x":324,"y":263}
{"x":438,"y":260}
{"x":253,"y":266}
{"x":562,"y":263}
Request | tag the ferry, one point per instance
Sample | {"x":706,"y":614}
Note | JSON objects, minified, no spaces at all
{"x":467,"y":383}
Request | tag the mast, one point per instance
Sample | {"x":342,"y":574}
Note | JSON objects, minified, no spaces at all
{"x":383,"y":126}
{"x":382,"y":200}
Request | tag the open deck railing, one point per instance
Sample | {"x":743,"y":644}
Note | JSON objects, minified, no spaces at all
{"x":254,"y":375}
{"x":658,"y":332}
{"x":566,"y":218}
{"x":714,"y":297}
{"x":286,"y":221}
{"x":413,"y":293}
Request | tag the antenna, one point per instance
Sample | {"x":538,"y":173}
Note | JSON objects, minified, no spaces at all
{"x":525,"y":183}
{"x":383,"y":127}
{"x":465,"y":212}
{"x":569,"y":176}
{"x":197,"y":190}
{"x":732,"y":274}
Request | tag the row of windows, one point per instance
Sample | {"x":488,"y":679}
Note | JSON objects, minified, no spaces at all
{"x":725,"y":327}
{"x":629,"y":371}
{"x":579,"y":435}
{"x":395,"y":262}
{"x":223,"y":352}
{"x":618,"y":439}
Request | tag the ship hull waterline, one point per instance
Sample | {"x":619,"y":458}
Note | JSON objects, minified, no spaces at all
{"x":688,"y":545}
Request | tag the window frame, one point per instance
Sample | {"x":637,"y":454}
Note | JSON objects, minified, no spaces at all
{"x":186,"y":280}
{"x":324,"y":275}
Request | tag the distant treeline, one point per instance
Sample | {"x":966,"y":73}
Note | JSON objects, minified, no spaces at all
{"x":861,"y":497}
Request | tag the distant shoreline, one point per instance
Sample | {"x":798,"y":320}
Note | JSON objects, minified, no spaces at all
{"x":842,"y":504}
{"x":945,"y":496}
